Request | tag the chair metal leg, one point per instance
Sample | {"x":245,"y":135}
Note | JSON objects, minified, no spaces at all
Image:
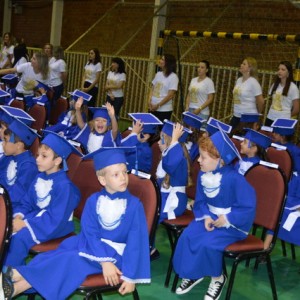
{"x":173,"y":242}
{"x":283,"y":248}
{"x":174,"y":285}
{"x":271,"y":277}
{"x":135,"y":295}
{"x":231,"y":279}
{"x":293,"y":251}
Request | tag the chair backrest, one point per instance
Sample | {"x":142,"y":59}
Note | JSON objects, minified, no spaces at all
{"x":270,"y":187}
{"x":35,"y":147}
{"x":38,"y":112}
{"x":18,"y":104}
{"x":125,"y":133}
{"x":283,"y":159}
{"x":148,"y":192}
{"x":60,"y":107}
{"x":5,"y":224}
{"x":195,"y":168}
{"x":156,"y":155}
{"x":86,"y":180}
{"x":73,"y":162}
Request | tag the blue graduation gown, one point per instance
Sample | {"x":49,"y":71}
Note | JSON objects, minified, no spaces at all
{"x":143,"y":156}
{"x":175,"y":164}
{"x":242,"y":166}
{"x":65,"y":126}
{"x":292,"y":206}
{"x":295,"y":153}
{"x":47,"y":210}
{"x":20,"y":172}
{"x":193,"y":149}
{"x":89,"y":141}
{"x":113,"y":227}
{"x":199,"y":252}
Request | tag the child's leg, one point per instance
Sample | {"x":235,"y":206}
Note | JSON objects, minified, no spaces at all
{"x":268,"y":240}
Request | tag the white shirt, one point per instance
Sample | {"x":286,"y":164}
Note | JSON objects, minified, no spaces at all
{"x":282,"y":105}
{"x":56,"y":68}
{"x":161,"y":86}
{"x":115,"y":78}
{"x":5,"y":52}
{"x":199,"y":91}
{"x":91,"y":70}
{"x":28,"y":79}
{"x":244,"y":96}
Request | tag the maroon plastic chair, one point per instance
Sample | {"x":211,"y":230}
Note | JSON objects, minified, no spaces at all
{"x":270,"y":186}
{"x":38,"y":112}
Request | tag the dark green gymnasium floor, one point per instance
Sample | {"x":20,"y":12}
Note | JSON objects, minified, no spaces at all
{"x":249,"y":284}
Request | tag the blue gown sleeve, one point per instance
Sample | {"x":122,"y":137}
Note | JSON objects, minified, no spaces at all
{"x":172,"y":157}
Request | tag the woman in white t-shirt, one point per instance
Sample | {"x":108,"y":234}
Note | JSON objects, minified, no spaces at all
{"x":58,"y":73}
{"x":6,"y":51}
{"x":201,"y":92}
{"x":247,"y":92}
{"x":32,"y":72}
{"x":91,"y":76}
{"x":164,"y":88}
{"x":20,"y":55}
{"x":115,"y":82}
{"x":284,"y":93}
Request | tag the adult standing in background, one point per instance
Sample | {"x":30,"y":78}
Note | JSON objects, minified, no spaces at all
{"x":201,"y":92}
{"x":247,"y":92}
{"x":48,"y":50}
{"x":91,"y":76}
{"x":284,"y":93}
{"x":164,"y":88}
{"x":35,"y":70}
{"x":20,"y":55}
{"x":7,"y":51}
{"x":58,"y":73}
{"x":115,"y":82}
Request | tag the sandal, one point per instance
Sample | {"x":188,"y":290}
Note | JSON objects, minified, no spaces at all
{"x":7,"y":287}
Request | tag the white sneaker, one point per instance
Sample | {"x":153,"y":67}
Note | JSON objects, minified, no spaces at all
{"x":215,"y":289}
{"x":186,"y":285}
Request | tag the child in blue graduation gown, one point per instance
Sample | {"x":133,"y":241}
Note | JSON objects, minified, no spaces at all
{"x":102,"y":130}
{"x":20,"y":169}
{"x":224,"y":211}
{"x":113,"y":240}
{"x":46,"y":211}
{"x":253,"y":147}
{"x":173,"y":171}
{"x":66,"y":125}
{"x":141,"y":157}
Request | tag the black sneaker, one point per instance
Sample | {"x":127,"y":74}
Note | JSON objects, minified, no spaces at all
{"x":186,"y":285}
{"x":6,"y":288}
{"x":154,"y":255}
{"x":215,"y":289}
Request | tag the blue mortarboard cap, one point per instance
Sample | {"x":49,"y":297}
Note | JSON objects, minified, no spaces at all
{"x":59,"y":145}
{"x":225,"y":146}
{"x":168,"y":129}
{"x":258,"y":138}
{"x":4,"y":94}
{"x":100,"y":112}
{"x":26,"y":134}
{"x":10,"y":78}
{"x":284,"y":126}
{"x":42,"y":85}
{"x":150,"y":122}
{"x":10,"y":113}
{"x":107,"y":156}
{"x":213,"y":126}
{"x":193,"y":120}
{"x":77,"y":93}
{"x":250,"y":117}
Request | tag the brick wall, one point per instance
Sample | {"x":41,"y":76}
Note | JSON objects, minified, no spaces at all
{"x":119,"y":26}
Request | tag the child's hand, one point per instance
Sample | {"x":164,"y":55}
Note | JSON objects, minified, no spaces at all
{"x":78,"y":103}
{"x":177,"y":132}
{"x":209,"y":224}
{"x":220,"y":222}
{"x":18,"y":224}
{"x":137,"y":127}
{"x":111,"y":273}
{"x":126,"y":287}
{"x":110,"y":110}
